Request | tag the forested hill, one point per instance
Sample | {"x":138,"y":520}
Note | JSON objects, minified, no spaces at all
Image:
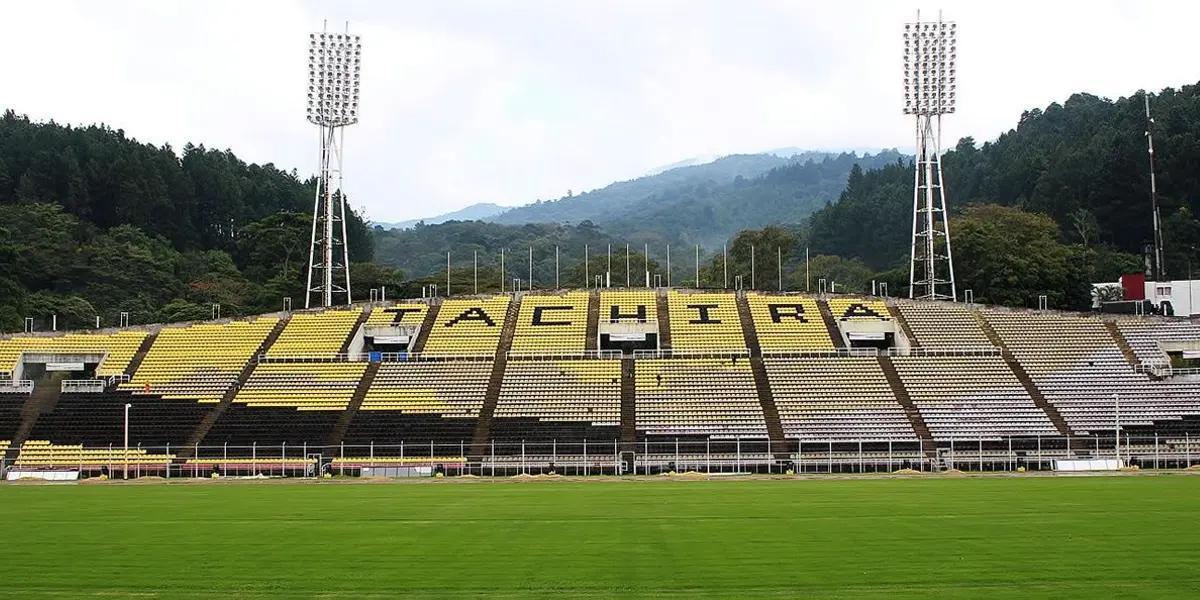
{"x":1080,"y":165}
{"x":1083,"y":163}
{"x":706,"y":204}
{"x":94,"y":223}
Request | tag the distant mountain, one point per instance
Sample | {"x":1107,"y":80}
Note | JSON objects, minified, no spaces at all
{"x":481,"y":211}
{"x":687,"y":162}
{"x":611,"y":200}
{"x":708,"y":203}
{"x":701,"y":204}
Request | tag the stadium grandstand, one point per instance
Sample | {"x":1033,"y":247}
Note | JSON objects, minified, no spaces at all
{"x":605,"y":381}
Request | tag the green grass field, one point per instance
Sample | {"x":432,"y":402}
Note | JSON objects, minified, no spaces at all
{"x":1094,"y":537}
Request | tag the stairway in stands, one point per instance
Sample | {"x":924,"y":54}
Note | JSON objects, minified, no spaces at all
{"x":418,"y":344}
{"x":1022,"y":375}
{"x":362,"y":320}
{"x":628,"y":403}
{"x":835,"y":333}
{"x":215,"y":413}
{"x":45,"y":395}
{"x":908,"y":332}
{"x":360,"y":393}
{"x":483,"y":428}
{"x":593,"y":322}
{"x":928,"y":445}
{"x":762,"y":383}
{"x":1122,"y":343}
{"x":140,"y":355}
{"x":664,"y":320}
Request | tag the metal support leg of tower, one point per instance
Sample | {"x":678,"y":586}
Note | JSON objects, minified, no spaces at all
{"x":328,"y":264}
{"x":931,"y":233}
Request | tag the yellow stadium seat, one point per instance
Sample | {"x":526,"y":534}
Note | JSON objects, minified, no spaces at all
{"x":468,"y":327}
{"x":705,"y":321}
{"x":551,"y":323}
{"x":787,"y":323}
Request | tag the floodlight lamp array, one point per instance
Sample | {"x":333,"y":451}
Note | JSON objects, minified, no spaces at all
{"x":333,"y":76}
{"x":930,"y":55}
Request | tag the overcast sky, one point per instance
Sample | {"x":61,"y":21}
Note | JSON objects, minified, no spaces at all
{"x":508,"y":102}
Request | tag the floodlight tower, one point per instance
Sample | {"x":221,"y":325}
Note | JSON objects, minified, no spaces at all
{"x":333,"y":76}
{"x":929,"y":81}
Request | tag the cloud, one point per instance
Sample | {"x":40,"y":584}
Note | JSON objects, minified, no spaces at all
{"x":477,"y":101}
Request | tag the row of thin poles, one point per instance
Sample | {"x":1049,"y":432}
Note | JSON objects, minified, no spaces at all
{"x":606,"y":279}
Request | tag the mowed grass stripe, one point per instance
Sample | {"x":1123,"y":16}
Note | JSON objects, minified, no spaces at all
{"x":1134,"y":537}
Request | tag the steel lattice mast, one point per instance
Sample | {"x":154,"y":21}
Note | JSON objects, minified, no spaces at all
{"x":333,"y":77}
{"x":929,"y":82}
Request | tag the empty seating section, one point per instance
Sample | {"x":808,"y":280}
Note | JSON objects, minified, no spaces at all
{"x":584,"y":391}
{"x":1144,"y":336}
{"x":315,"y":334}
{"x":971,"y":397}
{"x":836,"y":398}
{"x":628,"y":306}
{"x":551,"y":323}
{"x":116,"y":348}
{"x":199,"y":362}
{"x":10,"y":413}
{"x":450,"y":389}
{"x":302,"y":386}
{"x":1077,"y":365}
{"x":698,"y":396}
{"x":43,"y":454}
{"x":858,"y":309}
{"x":705,"y":322}
{"x":419,"y":402}
{"x":942,"y":325}
{"x":98,"y":420}
{"x":468,"y":327}
{"x":404,"y":313}
{"x":785,"y":323}
{"x":287,"y":403}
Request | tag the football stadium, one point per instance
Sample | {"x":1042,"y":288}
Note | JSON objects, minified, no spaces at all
{"x":741,"y":425}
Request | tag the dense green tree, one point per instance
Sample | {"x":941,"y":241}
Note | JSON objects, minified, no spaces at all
{"x":1009,"y":256}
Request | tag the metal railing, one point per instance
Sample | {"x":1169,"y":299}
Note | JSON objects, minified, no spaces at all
{"x":16,"y":386}
{"x":582,"y":354}
{"x":1164,"y":370}
{"x":734,"y":455}
{"x":947,"y":351}
{"x":674,"y":353}
{"x":82,"y":386}
{"x":825,"y":353}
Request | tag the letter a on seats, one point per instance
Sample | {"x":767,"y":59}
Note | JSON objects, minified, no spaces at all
{"x":860,"y":310}
{"x":472,"y":314}
{"x":537,"y":315}
{"x":791,"y":311}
